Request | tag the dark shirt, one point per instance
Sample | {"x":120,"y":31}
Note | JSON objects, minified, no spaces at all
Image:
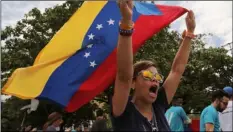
{"x":132,"y":120}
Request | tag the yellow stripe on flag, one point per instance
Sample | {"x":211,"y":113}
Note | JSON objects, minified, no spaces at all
{"x":70,"y":36}
{"x":28,"y":83}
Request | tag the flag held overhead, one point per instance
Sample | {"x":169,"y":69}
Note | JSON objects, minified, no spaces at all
{"x":80,"y":60}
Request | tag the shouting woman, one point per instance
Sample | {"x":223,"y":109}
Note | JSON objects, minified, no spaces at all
{"x":145,"y":111}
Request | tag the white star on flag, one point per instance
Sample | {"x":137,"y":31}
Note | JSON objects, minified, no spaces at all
{"x":89,"y":46}
{"x":110,"y":22}
{"x":87,"y":54}
{"x":92,"y":64}
{"x":91,"y":36}
{"x":99,"y":26}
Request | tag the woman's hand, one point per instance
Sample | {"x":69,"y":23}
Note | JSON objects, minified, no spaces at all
{"x":126,"y":8}
{"x":190,"y":22}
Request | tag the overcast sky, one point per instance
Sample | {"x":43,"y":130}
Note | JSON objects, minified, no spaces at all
{"x":211,"y":16}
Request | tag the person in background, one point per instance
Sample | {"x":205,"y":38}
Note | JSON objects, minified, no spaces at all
{"x":101,"y":123}
{"x":34,"y":129}
{"x":68,"y":129}
{"x":53,"y":123}
{"x":86,"y":127}
{"x":78,"y":128}
{"x":226,"y":116}
{"x":28,"y":128}
{"x":209,"y":120}
{"x":176,"y":115}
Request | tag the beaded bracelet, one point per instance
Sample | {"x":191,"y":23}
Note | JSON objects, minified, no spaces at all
{"x":126,"y":29}
{"x":126,"y":32}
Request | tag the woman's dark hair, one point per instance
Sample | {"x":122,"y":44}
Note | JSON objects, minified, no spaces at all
{"x":142,"y":65}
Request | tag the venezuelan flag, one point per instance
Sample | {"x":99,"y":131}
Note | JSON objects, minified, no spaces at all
{"x":80,"y":60}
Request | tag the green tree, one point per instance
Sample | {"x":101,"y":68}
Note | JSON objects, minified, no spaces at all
{"x":11,"y":116}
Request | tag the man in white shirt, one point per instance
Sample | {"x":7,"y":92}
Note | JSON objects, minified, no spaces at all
{"x":226,"y":116}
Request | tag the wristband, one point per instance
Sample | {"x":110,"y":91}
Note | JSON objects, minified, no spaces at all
{"x":190,"y":35}
{"x":126,"y":26}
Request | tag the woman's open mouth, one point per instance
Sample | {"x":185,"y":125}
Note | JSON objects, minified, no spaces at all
{"x":152,"y":91}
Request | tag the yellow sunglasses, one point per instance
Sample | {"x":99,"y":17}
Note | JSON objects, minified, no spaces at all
{"x":148,"y":75}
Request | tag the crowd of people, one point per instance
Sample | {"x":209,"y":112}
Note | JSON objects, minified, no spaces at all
{"x":55,"y":123}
